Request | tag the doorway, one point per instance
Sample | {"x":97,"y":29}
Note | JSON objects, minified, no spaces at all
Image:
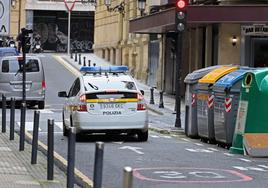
{"x":259,"y":57}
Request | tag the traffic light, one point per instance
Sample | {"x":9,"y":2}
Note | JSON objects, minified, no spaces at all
{"x":181,"y":6}
{"x":26,"y":40}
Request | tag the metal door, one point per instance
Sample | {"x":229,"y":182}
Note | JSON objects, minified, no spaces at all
{"x":153,"y":62}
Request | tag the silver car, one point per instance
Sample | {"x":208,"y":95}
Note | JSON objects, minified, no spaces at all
{"x":11,"y":80}
{"x":105,"y":100}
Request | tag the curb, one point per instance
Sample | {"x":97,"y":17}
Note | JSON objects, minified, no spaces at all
{"x":167,"y":132}
{"x":80,"y":179}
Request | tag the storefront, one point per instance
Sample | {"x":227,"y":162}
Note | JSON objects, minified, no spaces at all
{"x":216,"y":34}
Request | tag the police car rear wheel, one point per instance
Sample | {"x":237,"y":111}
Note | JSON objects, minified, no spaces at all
{"x":143,"y":136}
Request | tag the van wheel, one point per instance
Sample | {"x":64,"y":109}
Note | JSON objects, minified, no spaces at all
{"x":41,"y":104}
{"x":143,"y":136}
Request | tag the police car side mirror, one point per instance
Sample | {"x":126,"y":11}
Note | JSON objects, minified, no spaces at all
{"x":62,"y":94}
{"x":142,"y":92}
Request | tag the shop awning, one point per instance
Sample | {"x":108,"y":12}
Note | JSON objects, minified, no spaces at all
{"x":164,"y":21}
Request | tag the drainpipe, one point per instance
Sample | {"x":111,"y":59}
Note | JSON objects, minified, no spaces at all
{"x":19,"y":16}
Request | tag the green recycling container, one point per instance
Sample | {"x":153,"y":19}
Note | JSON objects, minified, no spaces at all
{"x":253,"y":109}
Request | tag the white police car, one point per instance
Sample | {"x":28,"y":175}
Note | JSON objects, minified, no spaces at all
{"x":105,"y":100}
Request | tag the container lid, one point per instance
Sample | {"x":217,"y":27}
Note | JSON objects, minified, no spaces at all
{"x":232,"y":78}
{"x":197,"y":74}
{"x":216,"y":74}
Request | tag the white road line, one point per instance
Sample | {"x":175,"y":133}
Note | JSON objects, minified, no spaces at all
{"x":240,"y":168}
{"x":263,"y":166}
{"x":213,"y":149}
{"x":199,"y":150}
{"x":246,"y":160}
{"x":28,"y":126}
{"x":228,"y":154}
{"x":46,"y":111}
{"x":59,"y":124}
{"x":198,"y":144}
{"x":154,"y":136}
{"x":185,"y":139}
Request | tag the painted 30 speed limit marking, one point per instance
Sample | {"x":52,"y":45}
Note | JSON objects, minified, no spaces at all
{"x":189,"y":175}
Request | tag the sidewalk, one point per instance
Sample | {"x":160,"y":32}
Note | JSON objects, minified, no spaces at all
{"x":16,"y":170}
{"x":168,"y":112}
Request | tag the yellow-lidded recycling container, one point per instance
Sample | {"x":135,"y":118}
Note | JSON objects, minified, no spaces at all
{"x":205,"y":102}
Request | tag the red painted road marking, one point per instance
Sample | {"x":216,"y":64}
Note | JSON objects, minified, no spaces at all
{"x":228,"y":104}
{"x":173,"y":173}
{"x":210,"y":101}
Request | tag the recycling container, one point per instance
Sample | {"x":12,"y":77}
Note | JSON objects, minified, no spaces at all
{"x":252,"y":110}
{"x":205,"y":102}
{"x":191,"y":81}
{"x":227,"y":92}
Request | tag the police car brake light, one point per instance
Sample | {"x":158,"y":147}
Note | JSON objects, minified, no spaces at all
{"x":110,"y":69}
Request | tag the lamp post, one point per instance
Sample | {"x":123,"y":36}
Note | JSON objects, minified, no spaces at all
{"x":141,"y":6}
{"x":118,"y":8}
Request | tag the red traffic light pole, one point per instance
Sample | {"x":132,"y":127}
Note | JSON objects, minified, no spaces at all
{"x":180,"y":20}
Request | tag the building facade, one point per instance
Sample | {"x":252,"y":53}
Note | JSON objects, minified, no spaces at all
{"x":114,"y":42}
{"x":49,"y":19}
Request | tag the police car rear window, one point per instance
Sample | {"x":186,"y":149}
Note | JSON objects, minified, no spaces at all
{"x":108,"y":84}
{"x":114,"y":95}
{"x":12,"y":66}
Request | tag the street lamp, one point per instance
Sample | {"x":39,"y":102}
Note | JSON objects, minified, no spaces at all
{"x":118,"y":8}
{"x":13,"y":3}
{"x":141,"y":6}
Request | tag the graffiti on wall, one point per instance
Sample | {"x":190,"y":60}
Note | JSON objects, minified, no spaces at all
{"x":54,"y":37}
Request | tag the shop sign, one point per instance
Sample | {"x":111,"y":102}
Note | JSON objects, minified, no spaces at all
{"x":4,"y":17}
{"x":255,"y":30}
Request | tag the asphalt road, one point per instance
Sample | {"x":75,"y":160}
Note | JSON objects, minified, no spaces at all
{"x":165,"y":161}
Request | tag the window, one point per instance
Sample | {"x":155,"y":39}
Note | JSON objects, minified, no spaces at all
{"x":75,"y":88}
{"x":12,"y":66}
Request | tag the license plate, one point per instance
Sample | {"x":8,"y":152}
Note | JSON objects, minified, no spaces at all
{"x":20,"y":86}
{"x":105,"y":106}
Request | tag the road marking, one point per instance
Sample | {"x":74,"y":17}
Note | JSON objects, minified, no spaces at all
{"x":185,"y":139}
{"x":198,"y":144}
{"x":199,"y":150}
{"x":5,"y":149}
{"x":28,"y":126}
{"x":135,"y":149}
{"x":228,"y":154}
{"x":250,"y":168}
{"x":246,"y":160}
{"x":263,"y":166}
{"x":213,"y":149}
{"x":154,"y":136}
{"x":59,"y":124}
{"x":68,"y":66}
{"x":46,"y":111}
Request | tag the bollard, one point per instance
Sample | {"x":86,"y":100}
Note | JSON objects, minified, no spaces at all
{"x":152,"y":95}
{"x":12,"y":119}
{"x":84,"y":60}
{"x":75,"y":56}
{"x":98,"y":165}
{"x":50,"y":149}
{"x":35,"y":137}
{"x":4,"y":107}
{"x":79,"y":60}
{"x":94,"y":64}
{"x":22,"y":126}
{"x":161,"y":102}
{"x":127,"y":177}
{"x":89,"y":63}
{"x":71,"y":54}
{"x":71,"y":157}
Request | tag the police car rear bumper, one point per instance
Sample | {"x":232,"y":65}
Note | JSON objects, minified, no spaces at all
{"x":86,"y":123}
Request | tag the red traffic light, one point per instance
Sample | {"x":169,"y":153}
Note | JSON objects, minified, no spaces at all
{"x":181,"y":4}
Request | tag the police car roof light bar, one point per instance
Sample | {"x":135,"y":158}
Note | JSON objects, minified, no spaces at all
{"x":110,"y":69}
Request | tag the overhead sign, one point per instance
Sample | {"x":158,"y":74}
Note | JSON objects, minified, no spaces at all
{"x":255,"y":30}
{"x":69,"y":4}
{"x":4,"y":17}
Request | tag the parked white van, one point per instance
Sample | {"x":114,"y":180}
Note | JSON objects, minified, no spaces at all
{"x":11,"y":80}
